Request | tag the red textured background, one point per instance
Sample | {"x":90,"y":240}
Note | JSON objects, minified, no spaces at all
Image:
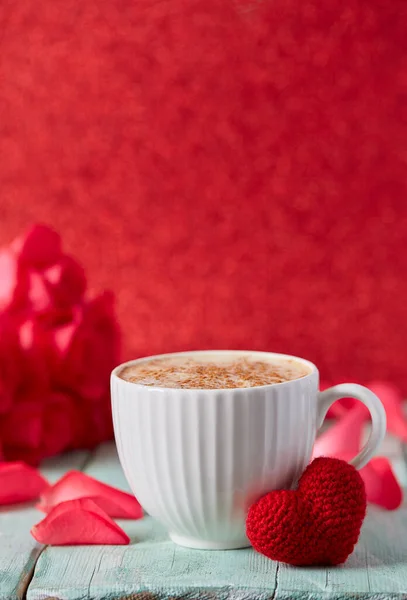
{"x":236,"y":171}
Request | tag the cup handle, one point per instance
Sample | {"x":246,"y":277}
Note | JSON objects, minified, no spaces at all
{"x":375,"y":407}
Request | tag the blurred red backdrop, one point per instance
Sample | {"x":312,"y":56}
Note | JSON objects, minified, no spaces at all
{"x":235,"y":171}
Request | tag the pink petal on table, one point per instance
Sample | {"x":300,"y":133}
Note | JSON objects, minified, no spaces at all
{"x":393,"y":403}
{"x":78,"y":522}
{"x":75,"y":484}
{"x":20,"y":483}
{"x":382,"y":487}
{"x":344,"y":437}
{"x":392,"y":399}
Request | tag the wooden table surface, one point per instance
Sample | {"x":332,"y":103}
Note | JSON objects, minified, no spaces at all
{"x":153,"y":568}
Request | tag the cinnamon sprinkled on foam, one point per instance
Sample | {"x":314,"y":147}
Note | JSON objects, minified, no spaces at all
{"x":186,"y":372}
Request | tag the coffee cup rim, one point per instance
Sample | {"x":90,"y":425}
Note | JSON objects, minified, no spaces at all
{"x":278,"y":355}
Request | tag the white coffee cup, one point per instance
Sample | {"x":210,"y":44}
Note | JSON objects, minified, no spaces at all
{"x":196,"y":458}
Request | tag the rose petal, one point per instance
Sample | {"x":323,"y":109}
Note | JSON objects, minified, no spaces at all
{"x":14,"y":282}
{"x":382,"y":487}
{"x":63,"y":337}
{"x":38,"y":294}
{"x":65,"y":282}
{"x":8,"y":278}
{"x":337,"y":410}
{"x":392,"y":399}
{"x":393,"y":403}
{"x":9,"y":363}
{"x":92,"y":353}
{"x":75,"y":484}
{"x":31,"y":457}
{"x":92,"y":427}
{"x":39,"y":426}
{"x":78,"y":522}
{"x":39,"y":248}
{"x":34,"y":357}
{"x":340,"y":407}
{"x":20,"y":483}
{"x":343,"y":437}
{"x":23,"y":426}
{"x":59,"y":423}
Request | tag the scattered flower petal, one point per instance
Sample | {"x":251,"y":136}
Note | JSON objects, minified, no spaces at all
{"x":75,"y":484}
{"x":78,"y":522}
{"x":344,"y":437}
{"x":20,"y":483}
{"x":393,"y":403}
{"x":382,"y":486}
{"x":392,"y":399}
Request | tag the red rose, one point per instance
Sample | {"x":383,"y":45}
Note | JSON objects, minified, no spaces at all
{"x":56,"y":351}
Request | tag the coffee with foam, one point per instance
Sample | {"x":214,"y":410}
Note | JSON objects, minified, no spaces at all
{"x":213,"y":370}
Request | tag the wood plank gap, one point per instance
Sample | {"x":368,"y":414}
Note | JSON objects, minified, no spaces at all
{"x":27,"y":575}
{"x":275,"y":591}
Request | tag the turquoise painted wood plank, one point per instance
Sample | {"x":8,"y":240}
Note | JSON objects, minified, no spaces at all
{"x":153,"y":568}
{"x":153,"y":564}
{"x":18,"y":550}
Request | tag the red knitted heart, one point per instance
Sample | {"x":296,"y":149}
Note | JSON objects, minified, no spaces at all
{"x":317,"y":524}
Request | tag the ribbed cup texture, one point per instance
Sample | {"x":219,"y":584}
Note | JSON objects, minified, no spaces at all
{"x":196,"y":459}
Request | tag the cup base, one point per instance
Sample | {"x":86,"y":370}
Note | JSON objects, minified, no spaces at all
{"x":198,"y":544}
